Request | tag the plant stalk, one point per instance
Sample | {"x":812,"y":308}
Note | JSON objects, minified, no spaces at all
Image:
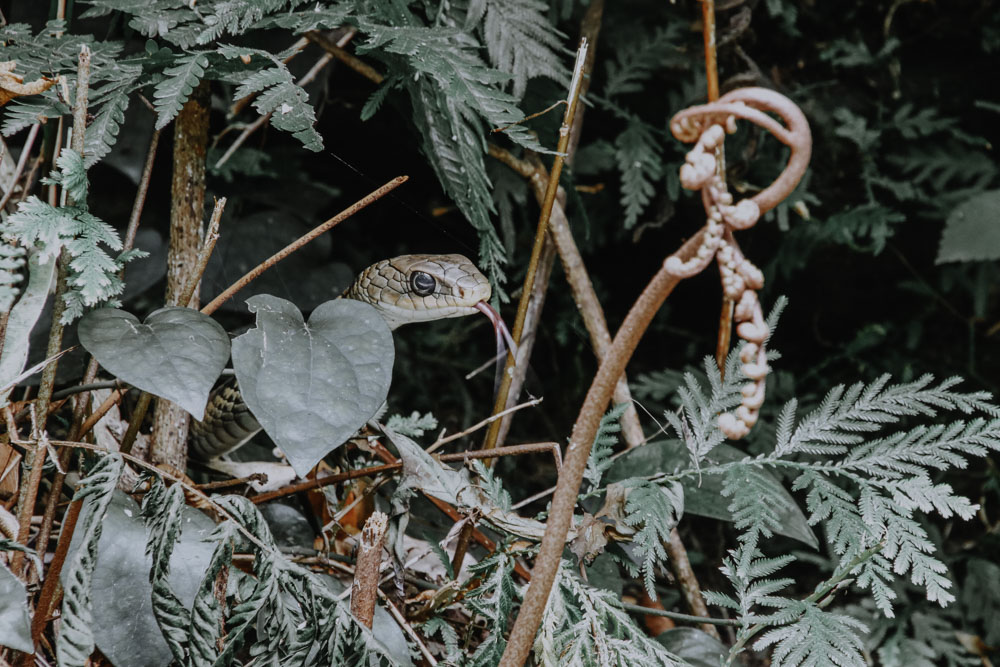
{"x":540,"y":233}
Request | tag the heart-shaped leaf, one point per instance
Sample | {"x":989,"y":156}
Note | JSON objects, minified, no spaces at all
{"x":176,"y":354}
{"x":312,"y":385}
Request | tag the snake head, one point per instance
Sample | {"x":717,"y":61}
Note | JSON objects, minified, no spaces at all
{"x":421,"y":288}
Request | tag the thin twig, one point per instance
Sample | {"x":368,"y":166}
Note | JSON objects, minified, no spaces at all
{"x":540,"y":233}
{"x":407,"y":628}
{"x":486,"y":422}
{"x":677,"y":616}
{"x":352,"y":61}
{"x":140,"y":196}
{"x":462,"y":545}
{"x":22,"y":160}
{"x":211,"y":236}
{"x":308,"y":485}
{"x":301,"y":241}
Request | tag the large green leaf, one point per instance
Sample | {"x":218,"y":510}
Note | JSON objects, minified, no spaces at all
{"x":177,"y":353}
{"x":703,"y":493}
{"x":22,"y":318}
{"x":312,"y":385}
{"x":123,"y":623}
{"x":15,"y":627}
{"x":972,"y":232}
{"x":697,"y":648}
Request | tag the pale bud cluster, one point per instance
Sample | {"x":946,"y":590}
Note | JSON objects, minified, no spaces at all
{"x":740,"y":278}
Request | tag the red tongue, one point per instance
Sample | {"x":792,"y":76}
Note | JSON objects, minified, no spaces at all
{"x":503,"y":334}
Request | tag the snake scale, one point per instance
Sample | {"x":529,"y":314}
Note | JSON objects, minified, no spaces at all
{"x":405,"y":289}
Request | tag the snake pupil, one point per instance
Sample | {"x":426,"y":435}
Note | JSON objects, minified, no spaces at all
{"x":423,"y":284}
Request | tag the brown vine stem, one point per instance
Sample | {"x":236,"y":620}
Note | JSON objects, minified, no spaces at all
{"x":35,"y":457}
{"x":364,"y":590}
{"x":543,"y":224}
{"x":712,"y":83}
{"x":308,"y":485}
{"x":564,"y":499}
{"x":253,"y":273}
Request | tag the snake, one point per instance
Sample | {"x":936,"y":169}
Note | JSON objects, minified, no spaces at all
{"x":404,"y":290}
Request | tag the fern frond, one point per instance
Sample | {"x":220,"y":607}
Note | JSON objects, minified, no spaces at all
{"x":586,"y":626}
{"x":818,"y":637}
{"x":170,"y":94}
{"x":655,"y":510}
{"x":640,"y":162}
{"x":520,"y":40}
{"x":604,"y":443}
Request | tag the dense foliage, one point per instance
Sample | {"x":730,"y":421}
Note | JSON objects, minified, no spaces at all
{"x":858,"y":520}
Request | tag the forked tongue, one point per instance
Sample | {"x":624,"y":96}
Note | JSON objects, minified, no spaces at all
{"x":503,"y":336}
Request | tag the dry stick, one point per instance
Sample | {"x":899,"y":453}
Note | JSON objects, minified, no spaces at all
{"x":590,"y":309}
{"x":462,"y":546}
{"x":564,"y":500}
{"x":308,"y":485}
{"x":29,"y":492}
{"x":540,"y":234}
{"x":364,"y":590}
{"x":408,"y":629}
{"x":475,"y":427}
{"x":590,"y":27}
{"x":211,"y":237}
{"x":21,"y":162}
{"x":50,"y":589}
{"x":259,"y":269}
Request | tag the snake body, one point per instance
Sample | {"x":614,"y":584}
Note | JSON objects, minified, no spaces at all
{"x":405,"y":289}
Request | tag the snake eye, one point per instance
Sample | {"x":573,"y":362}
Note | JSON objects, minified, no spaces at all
{"x":423,"y":284}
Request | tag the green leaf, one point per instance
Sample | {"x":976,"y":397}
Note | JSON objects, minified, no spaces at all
{"x":75,"y":642}
{"x":696,"y":648}
{"x":15,"y":623}
{"x":279,"y":96}
{"x":171,"y":93}
{"x":312,"y":385}
{"x":21,"y":320}
{"x":640,"y":162}
{"x":177,"y":353}
{"x":972,"y":232}
{"x":520,"y":40}
{"x":125,"y":629}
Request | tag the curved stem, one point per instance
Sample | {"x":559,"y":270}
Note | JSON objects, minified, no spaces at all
{"x":564,"y":500}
